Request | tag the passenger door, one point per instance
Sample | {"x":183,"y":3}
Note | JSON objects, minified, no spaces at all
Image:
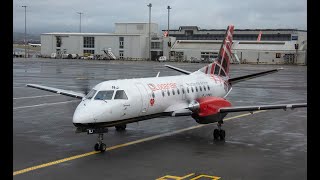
{"x":144,"y":98}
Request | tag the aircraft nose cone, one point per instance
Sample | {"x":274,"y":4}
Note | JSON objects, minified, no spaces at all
{"x":82,"y":115}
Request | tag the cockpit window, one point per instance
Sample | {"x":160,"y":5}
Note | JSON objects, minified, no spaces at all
{"x":90,"y":94}
{"x":120,"y":94}
{"x":104,"y":95}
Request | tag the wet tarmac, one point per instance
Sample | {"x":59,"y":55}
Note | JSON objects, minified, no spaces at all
{"x":265,"y":145}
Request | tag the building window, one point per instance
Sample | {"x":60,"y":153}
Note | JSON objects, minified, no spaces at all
{"x":58,"y":43}
{"x":88,"y":51}
{"x":206,"y":56}
{"x":121,"y":40}
{"x":278,"y":55}
{"x":88,"y":42}
{"x":121,"y":54}
{"x":155,"y":45}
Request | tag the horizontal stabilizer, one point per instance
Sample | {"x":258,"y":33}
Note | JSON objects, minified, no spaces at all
{"x":261,"y":107}
{"x":58,"y":91}
{"x":178,"y":69}
{"x":233,"y":81}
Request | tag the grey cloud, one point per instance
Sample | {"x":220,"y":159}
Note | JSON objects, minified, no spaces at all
{"x":100,"y":15}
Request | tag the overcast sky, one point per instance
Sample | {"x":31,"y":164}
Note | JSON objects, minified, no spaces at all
{"x":100,"y":15}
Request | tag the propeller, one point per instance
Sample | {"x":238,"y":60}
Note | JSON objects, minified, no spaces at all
{"x":83,"y":83}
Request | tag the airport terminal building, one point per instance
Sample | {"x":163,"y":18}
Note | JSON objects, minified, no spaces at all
{"x":131,"y":41}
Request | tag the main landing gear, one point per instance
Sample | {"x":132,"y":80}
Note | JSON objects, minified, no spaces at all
{"x":219,"y":134}
{"x":100,"y":146}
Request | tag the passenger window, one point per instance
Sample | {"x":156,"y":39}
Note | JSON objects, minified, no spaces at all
{"x":188,"y":89}
{"x":120,"y":94}
{"x":168,"y":93}
{"x":163,"y":93}
{"x":90,"y":94}
{"x":182,"y":90}
{"x":196,"y":89}
{"x":153,"y":94}
{"x":178,"y":91}
{"x":200,"y":88}
{"x":191,"y":89}
{"x":104,"y":95}
{"x":204,"y":88}
{"x":208,"y":87}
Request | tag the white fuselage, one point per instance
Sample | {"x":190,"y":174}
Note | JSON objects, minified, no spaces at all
{"x":148,"y":96}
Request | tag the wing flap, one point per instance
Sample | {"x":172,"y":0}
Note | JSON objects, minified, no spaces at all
{"x":58,"y":91}
{"x":261,"y":107}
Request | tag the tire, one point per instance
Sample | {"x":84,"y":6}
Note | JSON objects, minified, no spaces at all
{"x":103,"y":147}
{"x":222,"y":134}
{"x":216,"y":134}
{"x":96,"y":147}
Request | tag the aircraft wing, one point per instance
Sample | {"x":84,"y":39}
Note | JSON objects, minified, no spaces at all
{"x":178,"y":69}
{"x":233,"y":81}
{"x":58,"y":91}
{"x":261,"y":107}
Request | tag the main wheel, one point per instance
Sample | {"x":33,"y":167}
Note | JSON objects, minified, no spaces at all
{"x":216,"y":134}
{"x":121,"y":127}
{"x":222,"y":134}
{"x":97,"y":147}
{"x":103,"y":147}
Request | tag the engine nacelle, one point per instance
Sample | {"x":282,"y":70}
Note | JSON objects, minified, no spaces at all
{"x":205,"y":109}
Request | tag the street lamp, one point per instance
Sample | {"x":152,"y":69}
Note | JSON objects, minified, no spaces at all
{"x":25,"y":31}
{"x":80,"y":19}
{"x":168,"y":18}
{"x":149,"y":5}
{"x":169,"y":29}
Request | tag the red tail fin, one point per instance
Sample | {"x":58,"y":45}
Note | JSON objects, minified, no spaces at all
{"x":221,"y":65}
{"x":259,"y":36}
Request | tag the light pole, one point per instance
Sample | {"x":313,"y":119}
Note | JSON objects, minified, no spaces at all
{"x":168,"y":18}
{"x":25,"y":31}
{"x":80,"y":19}
{"x":168,"y":28}
{"x":149,"y":5}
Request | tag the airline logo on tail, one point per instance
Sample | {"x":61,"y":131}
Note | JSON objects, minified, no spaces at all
{"x":259,"y":36}
{"x":221,"y":65}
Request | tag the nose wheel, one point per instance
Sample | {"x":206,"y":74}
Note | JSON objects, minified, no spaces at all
{"x":219,"y":133}
{"x":100,"y":146}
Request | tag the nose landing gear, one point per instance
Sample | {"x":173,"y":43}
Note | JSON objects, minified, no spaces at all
{"x":100,"y":146}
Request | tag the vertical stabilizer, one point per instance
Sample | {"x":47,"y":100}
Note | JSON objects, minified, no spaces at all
{"x":221,"y":64}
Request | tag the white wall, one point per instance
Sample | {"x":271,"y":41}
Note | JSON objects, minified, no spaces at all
{"x":47,"y":44}
{"x":135,"y":28}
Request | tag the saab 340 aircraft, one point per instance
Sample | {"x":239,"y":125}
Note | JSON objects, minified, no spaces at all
{"x":200,"y":94}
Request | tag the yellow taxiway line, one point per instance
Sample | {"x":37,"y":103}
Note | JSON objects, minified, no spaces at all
{"x":121,"y":145}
